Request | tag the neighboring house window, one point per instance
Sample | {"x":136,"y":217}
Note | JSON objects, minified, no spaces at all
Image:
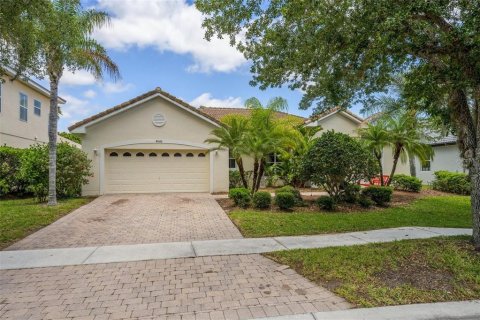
{"x":23,"y":107}
{"x":37,"y":107}
{"x":231,"y":162}
{"x":426,"y":165}
{"x":273,"y":158}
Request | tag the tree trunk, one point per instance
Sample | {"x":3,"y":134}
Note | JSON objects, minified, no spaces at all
{"x":396,"y":156}
{"x":52,"y":141}
{"x":413,"y":169}
{"x":255,"y":174}
{"x":475,"y":203}
{"x":241,"y":170}
{"x":379,"y":160}
{"x":261,"y":170}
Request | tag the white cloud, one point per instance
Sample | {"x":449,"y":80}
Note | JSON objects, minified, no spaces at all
{"x":78,"y":78}
{"x":90,"y":94}
{"x":168,"y":26}
{"x":206,"y":99}
{"x":116,"y":87}
{"x":74,"y":107}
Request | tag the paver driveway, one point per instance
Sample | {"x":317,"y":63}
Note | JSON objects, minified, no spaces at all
{"x":134,"y":219}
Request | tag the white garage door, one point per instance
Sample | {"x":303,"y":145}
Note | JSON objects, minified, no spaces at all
{"x":143,"y":171}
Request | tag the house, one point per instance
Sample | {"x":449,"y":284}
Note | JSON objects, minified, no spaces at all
{"x":447,"y":157}
{"x":152,"y":143}
{"x":24,"y":106}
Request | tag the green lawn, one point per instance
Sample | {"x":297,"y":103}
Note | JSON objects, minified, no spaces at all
{"x":437,"y":211}
{"x":404,"y":272}
{"x":21,"y":217}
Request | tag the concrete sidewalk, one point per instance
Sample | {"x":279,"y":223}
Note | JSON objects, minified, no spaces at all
{"x":465,"y":310}
{"x":21,"y":259}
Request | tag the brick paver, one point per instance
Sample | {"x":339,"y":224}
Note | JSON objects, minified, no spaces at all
{"x":221,"y":287}
{"x":135,"y":219}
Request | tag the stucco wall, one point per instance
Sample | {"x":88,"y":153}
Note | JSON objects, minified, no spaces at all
{"x":446,"y":157}
{"x":136,"y":124}
{"x":339,"y":123}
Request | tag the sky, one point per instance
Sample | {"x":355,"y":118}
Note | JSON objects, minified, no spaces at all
{"x":160,"y":43}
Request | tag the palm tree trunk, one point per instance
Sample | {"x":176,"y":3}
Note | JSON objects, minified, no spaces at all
{"x":396,"y":156}
{"x":380,"y":165}
{"x":413,"y":169}
{"x":475,"y":201}
{"x":241,"y":170}
{"x":261,"y":170}
{"x":255,"y":174}
{"x":52,"y":141}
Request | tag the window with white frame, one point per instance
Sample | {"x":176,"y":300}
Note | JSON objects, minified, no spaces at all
{"x":37,"y":107}
{"x":426,"y":165}
{"x":23,"y":107}
{"x":232,"y":164}
{"x":273,"y":158}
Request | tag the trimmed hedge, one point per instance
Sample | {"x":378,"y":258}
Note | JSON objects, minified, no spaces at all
{"x":379,"y":195}
{"x":406,"y":183}
{"x":262,"y":200}
{"x":453,"y":182}
{"x":240,"y":196}
{"x":295,"y":192}
{"x":326,"y":203}
{"x":285,"y":200}
{"x":11,"y":182}
{"x":351,"y":193}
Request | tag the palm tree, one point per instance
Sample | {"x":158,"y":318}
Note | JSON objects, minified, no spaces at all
{"x":66,"y":43}
{"x":376,"y":138}
{"x":232,"y":136}
{"x":406,"y":140}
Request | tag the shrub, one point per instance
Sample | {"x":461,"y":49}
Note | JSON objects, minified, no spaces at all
{"x":365,"y":201}
{"x":379,"y":195}
{"x":453,"y":182}
{"x":262,"y":200}
{"x":235,"y":180}
{"x":71,"y":136}
{"x":295,"y":192}
{"x":326,"y":203}
{"x":73,"y":169}
{"x":10,"y":178}
{"x":285,"y":200}
{"x":240,"y":196}
{"x":351,"y":193}
{"x":406,"y":183}
{"x":335,"y":160}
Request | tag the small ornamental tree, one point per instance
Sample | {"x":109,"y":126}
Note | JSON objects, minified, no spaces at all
{"x":336,"y":160}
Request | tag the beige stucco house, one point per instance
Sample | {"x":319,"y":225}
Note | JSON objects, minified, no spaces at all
{"x":24,"y":106}
{"x":152,"y":143}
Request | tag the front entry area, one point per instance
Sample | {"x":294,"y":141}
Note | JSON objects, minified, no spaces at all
{"x":151,"y":171}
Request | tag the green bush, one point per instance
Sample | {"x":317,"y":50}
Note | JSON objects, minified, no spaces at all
{"x":71,"y":136}
{"x":10,"y":178}
{"x":365,"y":201}
{"x":235,"y":180}
{"x":379,"y":195}
{"x":240,"y":196}
{"x":326,"y":203}
{"x":351,"y":193}
{"x":262,"y":200}
{"x":453,"y":182}
{"x":295,"y":192}
{"x":285,"y":200}
{"x":406,"y":183}
{"x":73,"y":169}
{"x":336,"y":160}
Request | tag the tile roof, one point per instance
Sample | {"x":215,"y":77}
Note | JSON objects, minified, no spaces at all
{"x":219,"y":113}
{"x":449,"y":139}
{"x":140,"y":98}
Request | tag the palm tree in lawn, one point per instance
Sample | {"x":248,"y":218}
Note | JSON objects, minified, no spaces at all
{"x":268,"y":134}
{"x":376,"y":138}
{"x":232,"y":136}
{"x":406,"y":140}
{"x":66,"y":43}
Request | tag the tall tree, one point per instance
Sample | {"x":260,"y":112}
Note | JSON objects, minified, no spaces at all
{"x":64,"y":36}
{"x":344,"y":51}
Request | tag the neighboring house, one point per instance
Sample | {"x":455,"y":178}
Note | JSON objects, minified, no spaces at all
{"x":152,"y":143}
{"x":24,"y":106}
{"x":336,"y":119}
{"x":447,"y":157}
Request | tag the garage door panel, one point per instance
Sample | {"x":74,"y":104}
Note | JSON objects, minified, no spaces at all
{"x":156,"y":174}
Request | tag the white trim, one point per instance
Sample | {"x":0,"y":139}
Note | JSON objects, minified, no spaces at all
{"x":101,"y":154}
{"x":82,"y":128}
{"x":343,"y":113}
{"x":212,"y":168}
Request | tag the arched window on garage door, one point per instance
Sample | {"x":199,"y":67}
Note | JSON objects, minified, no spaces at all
{"x":113,"y":154}
{"x":127,"y":154}
{"x":189,"y":155}
{"x":140,"y":154}
{"x":152,"y":154}
{"x":201,"y":155}
{"x":177,"y":155}
{"x":165,"y":154}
